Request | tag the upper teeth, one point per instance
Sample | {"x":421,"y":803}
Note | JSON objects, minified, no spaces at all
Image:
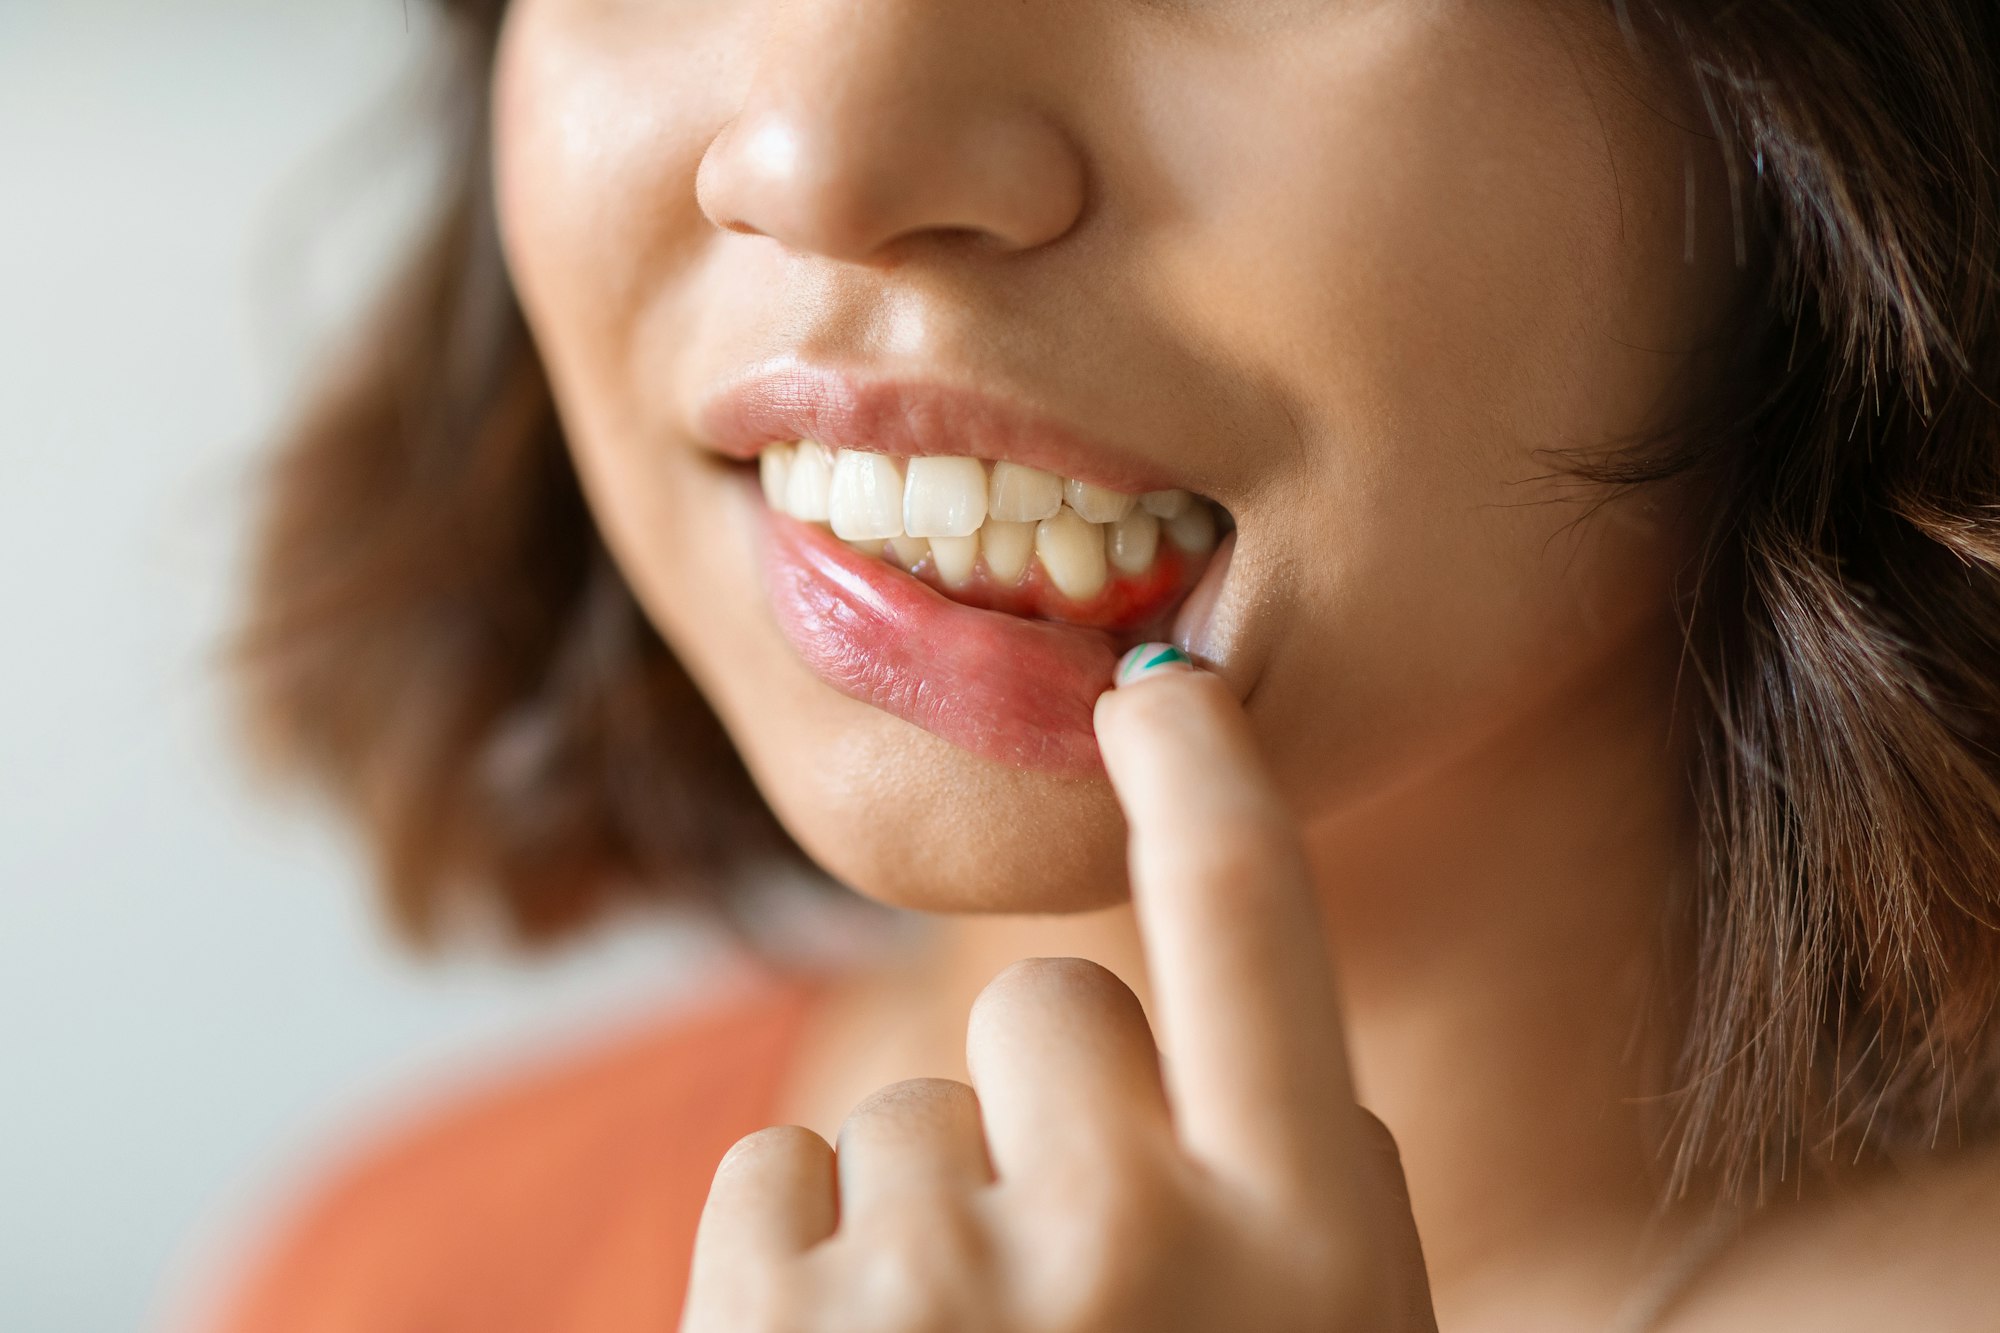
{"x":866,"y":499}
{"x":956,"y":509}
{"x":942,"y":497}
{"x":1023,"y":494}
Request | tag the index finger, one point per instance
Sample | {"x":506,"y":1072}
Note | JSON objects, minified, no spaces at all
{"x":1254,"y":1052}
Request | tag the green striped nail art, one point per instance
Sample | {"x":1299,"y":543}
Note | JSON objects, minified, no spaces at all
{"x":1150,"y":659}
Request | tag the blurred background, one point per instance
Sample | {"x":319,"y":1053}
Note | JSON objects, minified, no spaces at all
{"x":196,"y":1002}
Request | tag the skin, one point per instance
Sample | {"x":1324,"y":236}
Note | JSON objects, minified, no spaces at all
{"x":1351,"y":270}
{"x":1217,"y":1184}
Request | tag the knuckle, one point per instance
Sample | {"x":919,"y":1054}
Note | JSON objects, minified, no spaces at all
{"x":769,"y":1144}
{"x":1037,"y":980}
{"x":1119,"y":1269}
{"x":914,"y":1094}
{"x":915,"y":1269}
{"x":1115,"y":1224}
{"x":911,"y":1105}
{"x":940,"y":1245}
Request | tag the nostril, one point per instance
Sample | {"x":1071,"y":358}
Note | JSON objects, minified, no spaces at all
{"x":855,"y":152}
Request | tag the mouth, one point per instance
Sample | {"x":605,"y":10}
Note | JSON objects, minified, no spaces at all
{"x":936,"y":554}
{"x":1003,"y":537}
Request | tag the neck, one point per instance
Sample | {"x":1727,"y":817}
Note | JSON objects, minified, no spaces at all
{"x":1498,"y":926}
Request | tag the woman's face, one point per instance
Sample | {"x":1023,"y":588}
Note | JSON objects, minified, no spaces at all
{"x":1344,"y":269}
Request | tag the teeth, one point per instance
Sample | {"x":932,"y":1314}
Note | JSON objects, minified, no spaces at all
{"x":1193,"y":530}
{"x":909,"y":552}
{"x":808,"y":482}
{"x":944,"y":497}
{"x":772,"y":466}
{"x":1095,"y":504}
{"x":958,"y":513}
{"x":1007,"y":548}
{"x":1018,"y":494}
{"x":866,"y":496}
{"x":1071,"y":548}
{"x":1133,"y":541}
{"x":955,"y":558}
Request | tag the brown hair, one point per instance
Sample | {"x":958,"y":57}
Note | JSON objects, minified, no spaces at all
{"x":435,"y":632}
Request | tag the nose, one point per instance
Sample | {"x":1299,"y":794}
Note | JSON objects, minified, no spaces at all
{"x":870,"y":122}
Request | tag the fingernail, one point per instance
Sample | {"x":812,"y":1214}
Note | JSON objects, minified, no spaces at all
{"x":1150,"y":659}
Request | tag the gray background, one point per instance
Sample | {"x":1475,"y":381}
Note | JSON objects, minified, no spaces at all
{"x":194,"y":997}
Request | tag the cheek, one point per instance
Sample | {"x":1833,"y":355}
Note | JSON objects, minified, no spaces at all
{"x":613,"y":261}
{"x":595,"y":168}
{"x":594,"y":188}
{"x":1466,"y":250}
{"x":1415,"y":241}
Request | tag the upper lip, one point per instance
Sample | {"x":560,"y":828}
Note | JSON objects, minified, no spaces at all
{"x":788,"y":398}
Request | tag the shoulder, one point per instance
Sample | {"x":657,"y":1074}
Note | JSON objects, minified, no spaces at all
{"x":562,"y":1196}
{"x":1915,"y":1248}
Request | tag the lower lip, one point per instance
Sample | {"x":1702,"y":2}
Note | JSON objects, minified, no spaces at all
{"x":1018,"y":692}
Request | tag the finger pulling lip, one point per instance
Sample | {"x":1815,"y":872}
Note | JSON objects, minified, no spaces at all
{"x":1016,"y":691}
{"x":994,"y":677}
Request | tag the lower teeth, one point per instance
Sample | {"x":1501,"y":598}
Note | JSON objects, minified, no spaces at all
{"x":1077,"y":557}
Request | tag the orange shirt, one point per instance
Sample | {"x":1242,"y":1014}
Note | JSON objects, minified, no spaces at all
{"x":564,"y":1201}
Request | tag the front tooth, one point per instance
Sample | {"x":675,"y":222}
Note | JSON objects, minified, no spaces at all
{"x":1007,"y":547}
{"x":809,"y":482}
{"x":873,"y":548}
{"x":1193,"y":530}
{"x":1132,"y":541}
{"x":955,"y":558}
{"x":909,"y":552}
{"x":1096,"y":504}
{"x":1165,"y":504}
{"x":866,"y":498}
{"x":944,"y":497}
{"x":1018,"y":494}
{"x":772,"y":466}
{"x":1071,"y":548}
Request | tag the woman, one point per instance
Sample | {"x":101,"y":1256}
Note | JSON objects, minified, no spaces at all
{"x":1562,"y":436}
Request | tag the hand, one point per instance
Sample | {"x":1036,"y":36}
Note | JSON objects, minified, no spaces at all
{"x":1225,"y":1182}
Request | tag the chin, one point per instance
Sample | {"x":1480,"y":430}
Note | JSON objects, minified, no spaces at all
{"x":913,"y":821}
